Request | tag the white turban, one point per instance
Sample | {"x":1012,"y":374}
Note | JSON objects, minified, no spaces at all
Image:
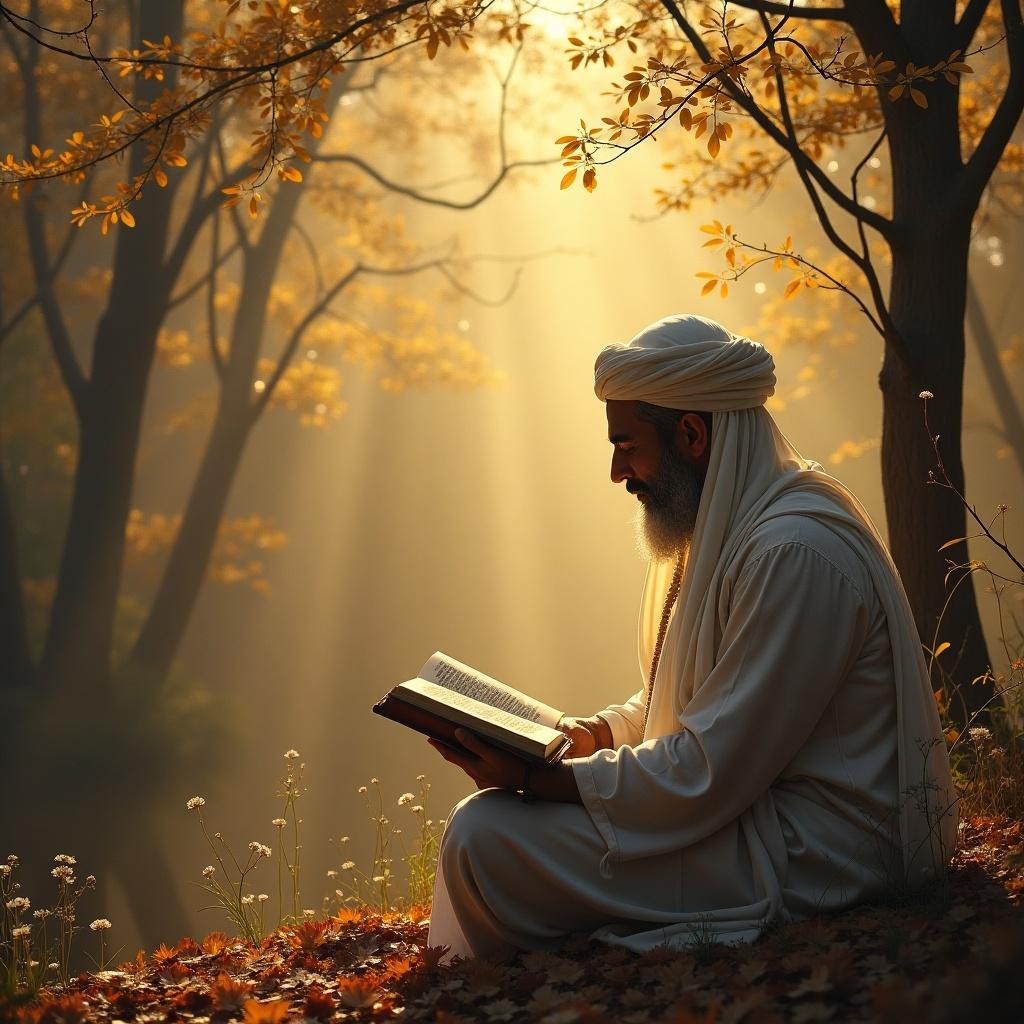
{"x":687,"y":362}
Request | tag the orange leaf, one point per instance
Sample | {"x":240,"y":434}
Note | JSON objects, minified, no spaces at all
{"x":792,"y":288}
{"x":265,"y":1013}
{"x":568,"y":178}
{"x":709,"y":286}
{"x":919,"y":98}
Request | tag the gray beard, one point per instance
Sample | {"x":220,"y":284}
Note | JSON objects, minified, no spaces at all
{"x":666,"y":520}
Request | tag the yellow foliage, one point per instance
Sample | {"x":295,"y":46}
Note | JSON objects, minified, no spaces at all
{"x":150,"y":536}
{"x":176,"y":348}
{"x":854,"y":450}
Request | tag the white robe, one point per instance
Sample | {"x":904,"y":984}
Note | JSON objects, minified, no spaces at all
{"x":773,"y":800}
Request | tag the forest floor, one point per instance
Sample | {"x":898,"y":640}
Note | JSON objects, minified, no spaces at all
{"x":955,"y":959}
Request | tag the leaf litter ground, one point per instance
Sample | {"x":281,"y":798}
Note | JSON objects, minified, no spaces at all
{"x":957,"y":958}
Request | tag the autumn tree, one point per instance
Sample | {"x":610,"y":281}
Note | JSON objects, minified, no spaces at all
{"x":931,"y":91}
{"x":227,"y":137}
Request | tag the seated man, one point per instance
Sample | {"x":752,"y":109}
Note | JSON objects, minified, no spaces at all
{"x":784,"y":756}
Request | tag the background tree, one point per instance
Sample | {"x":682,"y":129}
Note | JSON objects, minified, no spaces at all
{"x":771,"y":85}
{"x":283,"y":312}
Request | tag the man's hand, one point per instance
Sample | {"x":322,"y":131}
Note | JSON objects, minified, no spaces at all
{"x":490,"y":766}
{"x":485,"y":764}
{"x":587,"y":735}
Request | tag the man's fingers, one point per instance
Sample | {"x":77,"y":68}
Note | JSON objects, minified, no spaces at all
{"x":448,"y":754}
{"x":470,"y":742}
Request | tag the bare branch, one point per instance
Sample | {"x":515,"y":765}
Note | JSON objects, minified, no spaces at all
{"x":314,"y":256}
{"x":985,"y":158}
{"x":464,"y":289}
{"x":795,"y":11}
{"x":73,"y":234}
{"x":451,"y":204}
{"x":211,"y":298}
{"x":861,"y":261}
{"x":881,"y":224}
{"x":296,"y":337}
{"x":43,"y":267}
{"x":200,"y":282}
{"x":970,"y":20}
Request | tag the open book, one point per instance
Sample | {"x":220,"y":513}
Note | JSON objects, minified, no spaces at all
{"x":447,"y":695}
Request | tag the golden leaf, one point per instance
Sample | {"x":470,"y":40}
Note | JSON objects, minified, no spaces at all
{"x":568,"y":178}
{"x":265,"y":1013}
{"x":590,"y":179}
{"x":919,"y":98}
{"x":792,"y":288}
{"x":944,"y":646}
{"x":709,"y":286}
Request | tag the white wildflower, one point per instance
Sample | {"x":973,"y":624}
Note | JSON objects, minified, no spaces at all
{"x":361,"y":789}
{"x":5,"y":869}
{"x":344,"y":839}
{"x":279,"y":822}
{"x":926,"y":395}
{"x":64,"y":873}
{"x":416,"y":809}
{"x":979,"y":734}
{"x":331,"y":873}
{"x":19,"y":903}
{"x":263,"y":897}
{"x":405,"y":798}
{"x":90,"y":880}
{"x":208,"y":871}
{"x":194,"y":803}
{"x":246,"y":900}
{"x":259,"y":849}
{"x":348,"y":865}
{"x":64,"y":858}
{"x":43,"y":914}
{"x":101,"y":924}
{"x":379,"y":878}
{"x":420,"y":778}
{"x":12,"y":859}
{"x":53,"y":967}
{"x":22,"y":931}
{"x":291,"y":754}
{"x":309,"y":913}
{"x":374,"y":782}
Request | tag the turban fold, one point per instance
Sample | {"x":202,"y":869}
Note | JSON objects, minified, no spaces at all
{"x":687,"y":362}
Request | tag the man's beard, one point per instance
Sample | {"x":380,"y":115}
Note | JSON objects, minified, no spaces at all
{"x":666,"y":518}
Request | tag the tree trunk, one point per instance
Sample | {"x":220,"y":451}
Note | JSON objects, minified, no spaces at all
{"x":186,"y":568}
{"x":1009,"y":410}
{"x":16,"y":668}
{"x":80,"y":635}
{"x":927,"y":307}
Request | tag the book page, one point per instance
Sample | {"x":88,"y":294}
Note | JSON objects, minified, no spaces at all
{"x":459,"y":678}
{"x":475,"y":714}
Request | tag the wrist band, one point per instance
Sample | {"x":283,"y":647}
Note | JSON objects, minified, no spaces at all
{"x":525,"y":792}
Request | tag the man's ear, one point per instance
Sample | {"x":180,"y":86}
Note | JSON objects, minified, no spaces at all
{"x":693,"y":438}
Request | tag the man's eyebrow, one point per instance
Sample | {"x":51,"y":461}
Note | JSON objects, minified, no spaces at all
{"x":619,"y":438}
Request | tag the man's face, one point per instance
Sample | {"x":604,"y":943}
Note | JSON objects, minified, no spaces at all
{"x":665,"y":478}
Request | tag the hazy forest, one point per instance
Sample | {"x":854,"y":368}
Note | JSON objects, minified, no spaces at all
{"x":298,"y":317}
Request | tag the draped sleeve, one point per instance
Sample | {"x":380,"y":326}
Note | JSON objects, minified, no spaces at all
{"x":795,"y":625}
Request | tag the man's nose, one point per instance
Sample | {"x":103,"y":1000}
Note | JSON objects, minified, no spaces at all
{"x":621,"y":469}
